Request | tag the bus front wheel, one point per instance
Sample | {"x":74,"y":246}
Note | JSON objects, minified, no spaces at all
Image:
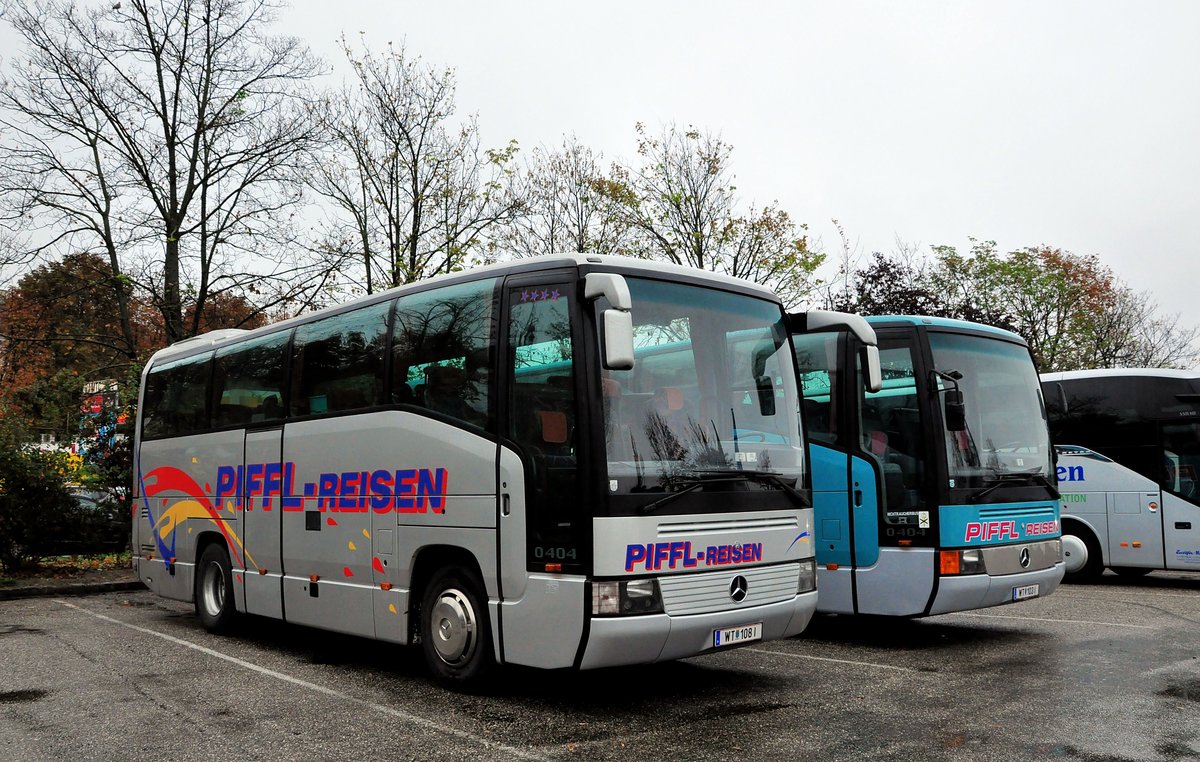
{"x":456,"y":636}
{"x":214,"y":590}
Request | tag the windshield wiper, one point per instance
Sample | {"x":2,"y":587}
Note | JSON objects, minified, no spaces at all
{"x":699,"y":479}
{"x":691,"y":484}
{"x":1011,"y":479}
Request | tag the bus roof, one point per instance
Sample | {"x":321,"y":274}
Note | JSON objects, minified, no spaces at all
{"x":1071,"y":375}
{"x":585,"y":262}
{"x":939,"y":322}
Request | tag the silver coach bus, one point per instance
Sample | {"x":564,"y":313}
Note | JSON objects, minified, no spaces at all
{"x":564,"y":461}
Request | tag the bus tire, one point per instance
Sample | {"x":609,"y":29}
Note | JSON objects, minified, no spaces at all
{"x":214,"y":590}
{"x":1093,"y":567}
{"x":1132,"y":572}
{"x":456,"y":634}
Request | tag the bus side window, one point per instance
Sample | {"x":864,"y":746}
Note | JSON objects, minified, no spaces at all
{"x":176,"y":400}
{"x":248,"y":382}
{"x":817,"y":357}
{"x":442,"y":351}
{"x":339,"y":362}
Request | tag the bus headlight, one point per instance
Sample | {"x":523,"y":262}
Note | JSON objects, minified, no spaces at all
{"x":952,"y":562}
{"x":808,"y":576}
{"x":627,"y":597}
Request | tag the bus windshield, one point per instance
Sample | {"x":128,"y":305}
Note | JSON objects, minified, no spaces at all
{"x":1005,"y":432}
{"x":711,"y":397}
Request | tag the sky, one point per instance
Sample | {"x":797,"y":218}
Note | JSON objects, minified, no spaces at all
{"x":1072,"y":124}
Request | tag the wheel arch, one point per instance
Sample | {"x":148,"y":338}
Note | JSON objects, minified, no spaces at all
{"x":1084,"y":529}
{"x":426,"y":562}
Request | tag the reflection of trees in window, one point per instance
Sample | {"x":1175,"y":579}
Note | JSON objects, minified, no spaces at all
{"x":441,"y":350}
{"x":248,"y":382}
{"x":177,"y":398}
{"x":341,"y":361}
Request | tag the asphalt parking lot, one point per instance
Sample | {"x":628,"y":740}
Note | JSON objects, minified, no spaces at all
{"x":1097,"y":672}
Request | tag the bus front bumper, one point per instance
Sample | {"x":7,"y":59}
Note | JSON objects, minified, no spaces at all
{"x":976,"y":591}
{"x":617,"y":641}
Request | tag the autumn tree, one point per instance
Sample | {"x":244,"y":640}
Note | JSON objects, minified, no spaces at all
{"x":61,"y":328}
{"x":1074,"y":311}
{"x":681,"y":201}
{"x":413,"y":193}
{"x":168,"y":137}
{"x":568,"y":203}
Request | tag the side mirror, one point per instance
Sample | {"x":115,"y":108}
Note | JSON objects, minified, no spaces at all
{"x":956,"y":411}
{"x":618,"y":321}
{"x":872,"y":370}
{"x":618,"y":340}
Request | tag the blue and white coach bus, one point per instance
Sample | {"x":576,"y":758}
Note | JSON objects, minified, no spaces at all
{"x":564,"y":461}
{"x":1129,"y":455}
{"x":933,"y":481}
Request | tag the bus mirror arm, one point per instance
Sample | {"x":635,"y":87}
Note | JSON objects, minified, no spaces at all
{"x":617,"y":320}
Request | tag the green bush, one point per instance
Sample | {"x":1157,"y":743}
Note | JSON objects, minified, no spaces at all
{"x":36,"y":506}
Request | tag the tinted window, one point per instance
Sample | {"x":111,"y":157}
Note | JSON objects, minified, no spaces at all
{"x":441,"y":351}
{"x":176,"y":398}
{"x":542,"y":419}
{"x":892,"y":432}
{"x":1181,"y":456}
{"x":248,"y":382}
{"x":817,"y":356}
{"x":339,"y":362}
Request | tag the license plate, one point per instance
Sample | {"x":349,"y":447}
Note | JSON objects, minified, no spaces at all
{"x":1025,"y":591}
{"x":730,"y":636}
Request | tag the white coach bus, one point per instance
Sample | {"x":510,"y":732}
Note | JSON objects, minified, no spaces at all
{"x":1129,"y":453}
{"x":564,"y":461}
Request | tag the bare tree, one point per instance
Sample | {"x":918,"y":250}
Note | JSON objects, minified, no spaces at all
{"x":169,"y":136}
{"x":683,"y":204}
{"x":567,"y":204}
{"x":413,"y":196}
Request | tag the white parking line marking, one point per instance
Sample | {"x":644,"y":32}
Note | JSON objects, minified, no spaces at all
{"x":503,"y":749}
{"x":1194,"y":596}
{"x":1056,"y":621}
{"x":826,"y":658}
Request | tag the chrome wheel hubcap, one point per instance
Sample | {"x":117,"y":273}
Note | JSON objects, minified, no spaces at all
{"x":454,"y":627}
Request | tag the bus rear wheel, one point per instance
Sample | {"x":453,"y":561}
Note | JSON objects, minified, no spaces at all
{"x":214,"y":590}
{"x":456,"y":636}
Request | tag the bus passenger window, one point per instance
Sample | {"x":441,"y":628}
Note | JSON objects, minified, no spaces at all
{"x":339,"y":362}
{"x":248,"y":382}
{"x":176,"y":398}
{"x":441,"y":351}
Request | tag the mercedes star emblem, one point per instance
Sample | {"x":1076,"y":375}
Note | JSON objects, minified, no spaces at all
{"x":1024,"y":558}
{"x":738,"y":588}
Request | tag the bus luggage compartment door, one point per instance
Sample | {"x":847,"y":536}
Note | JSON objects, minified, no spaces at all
{"x":1135,"y":536}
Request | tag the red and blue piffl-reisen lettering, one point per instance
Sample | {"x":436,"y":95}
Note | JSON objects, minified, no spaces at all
{"x":680,"y":555}
{"x":267,"y":485}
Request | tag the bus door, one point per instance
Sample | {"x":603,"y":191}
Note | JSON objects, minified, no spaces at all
{"x":544,"y":525}
{"x":261,"y":520}
{"x":825,"y":388}
{"x":1181,"y":496}
{"x":894,"y":522}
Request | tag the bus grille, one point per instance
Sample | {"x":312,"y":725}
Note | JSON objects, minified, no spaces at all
{"x":1028,"y":512}
{"x":707,"y":592}
{"x":727,"y":525}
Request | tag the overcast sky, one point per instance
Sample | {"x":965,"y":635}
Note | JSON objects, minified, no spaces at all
{"x":1071,"y":124}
